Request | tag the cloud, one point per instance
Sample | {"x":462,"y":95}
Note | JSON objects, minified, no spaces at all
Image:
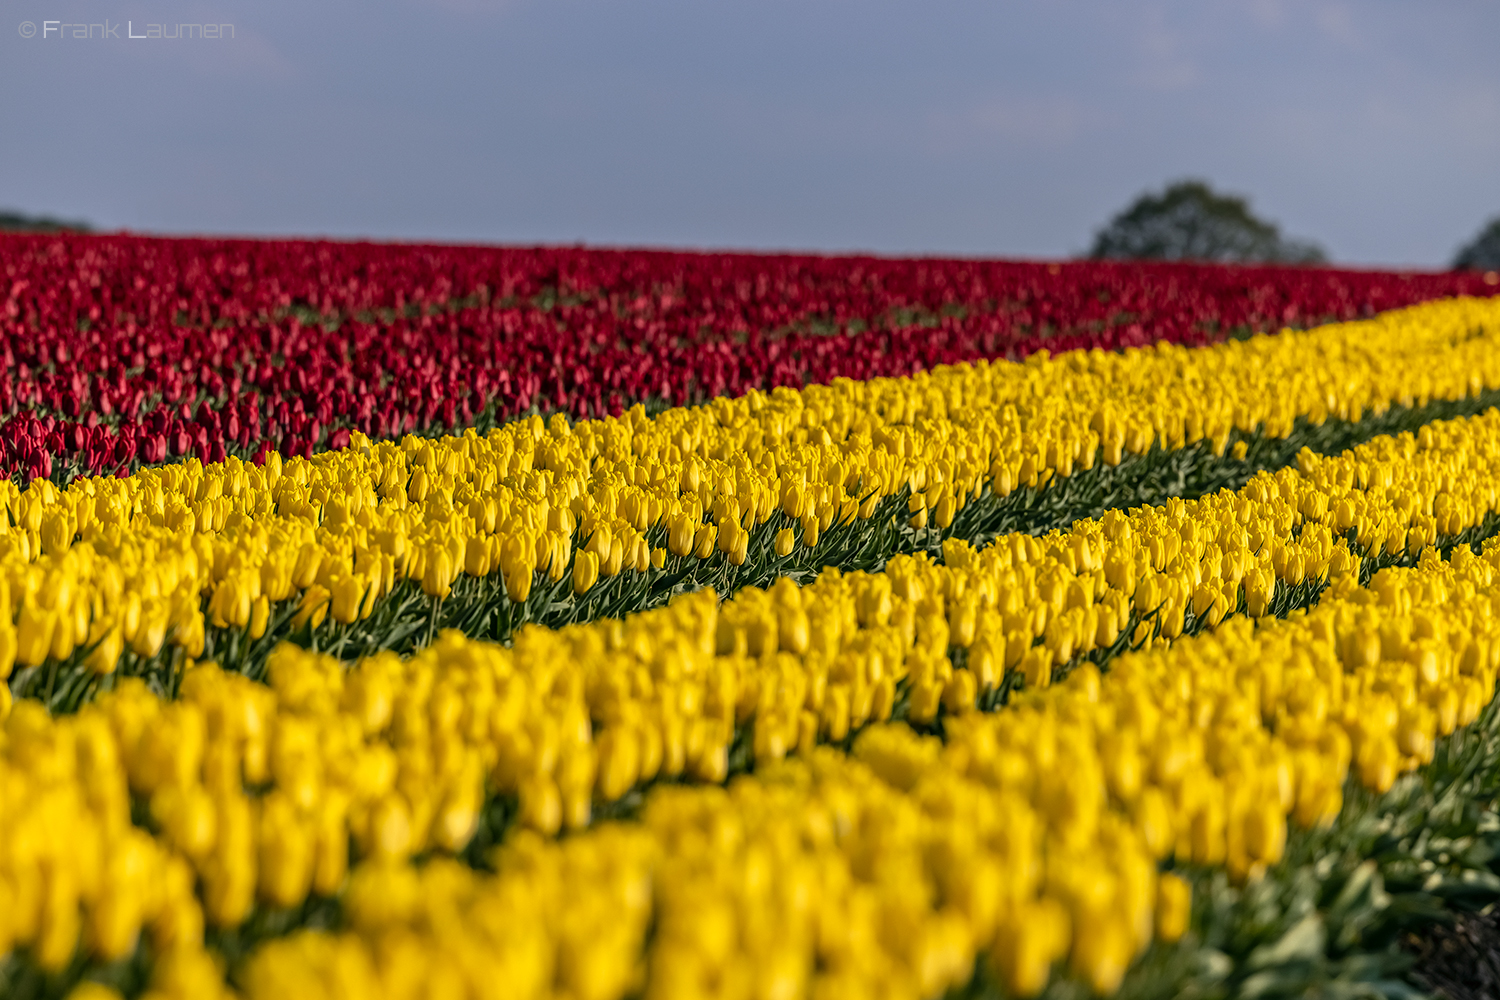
{"x":1030,"y":123}
{"x":1267,"y":13}
{"x":470,"y":6}
{"x":1163,"y":62}
{"x":1336,"y":20}
{"x":247,"y":53}
{"x":250,"y":53}
{"x":1421,"y":127}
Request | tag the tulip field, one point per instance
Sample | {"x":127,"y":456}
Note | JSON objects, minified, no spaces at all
{"x":428,"y":622}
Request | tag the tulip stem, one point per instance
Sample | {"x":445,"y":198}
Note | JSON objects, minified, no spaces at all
{"x":51,"y":683}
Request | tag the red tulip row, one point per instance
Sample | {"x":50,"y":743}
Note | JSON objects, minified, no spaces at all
{"x":123,"y":350}
{"x":62,"y":280}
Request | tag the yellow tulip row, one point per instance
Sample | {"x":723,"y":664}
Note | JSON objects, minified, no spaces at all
{"x":257,"y":789}
{"x":114,"y":564}
{"x":814,"y":877}
{"x":1032,"y":837}
{"x":68,"y":837}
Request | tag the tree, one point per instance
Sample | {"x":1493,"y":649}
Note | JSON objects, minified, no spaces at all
{"x":1190,"y":221}
{"x":15,"y":222}
{"x":1483,"y":252}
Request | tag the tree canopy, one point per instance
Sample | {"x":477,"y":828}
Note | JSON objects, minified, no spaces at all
{"x":1482,"y":252}
{"x":1190,"y":221}
{"x":17,"y":222}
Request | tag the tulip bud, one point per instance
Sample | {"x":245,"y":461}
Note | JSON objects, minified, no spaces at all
{"x":1265,"y":832}
{"x":517,"y":568}
{"x":916,"y":505}
{"x":390,"y":830}
{"x":557,"y":557}
{"x":585,"y":571}
{"x":8,"y":647}
{"x":835,"y":715}
{"x":1003,"y":481}
{"x":1206,"y":830}
{"x":347,"y":591}
{"x":311,"y":610}
{"x":187,"y":817}
{"x":786,"y":540}
{"x":57,"y":936}
{"x":601,"y":542}
{"x":1103,"y":945}
{"x":260,"y":615}
{"x":1030,"y":939}
{"x":1174,"y":904}
{"x":619,"y":762}
{"x":57,"y":532}
{"x":309,"y":561}
{"x":810,"y":530}
{"x":331,"y":849}
{"x":541,"y":804}
{"x":924,"y":700}
{"x":793,"y":500}
{"x":792,"y":630}
{"x":987,"y":661}
{"x":740,"y":549}
{"x":420,"y":484}
{"x":963,"y":616}
{"x":101,"y":659}
{"x":1036,"y":667}
{"x":477,"y":555}
{"x":114,"y":928}
{"x":960,"y":692}
{"x":705,"y":540}
{"x":709,"y":760}
{"x":946,"y":508}
{"x":1205,"y":597}
{"x":681,"y":535}
{"x":34,"y":635}
{"x":615,"y":561}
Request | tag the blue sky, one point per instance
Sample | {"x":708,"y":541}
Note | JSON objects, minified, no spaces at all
{"x":976,"y":127}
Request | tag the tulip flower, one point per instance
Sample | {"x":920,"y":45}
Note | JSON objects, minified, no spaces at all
{"x":585,"y":571}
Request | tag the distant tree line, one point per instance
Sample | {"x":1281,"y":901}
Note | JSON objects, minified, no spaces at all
{"x":1483,"y":252}
{"x":17,"y":222}
{"x":1189,"y":220}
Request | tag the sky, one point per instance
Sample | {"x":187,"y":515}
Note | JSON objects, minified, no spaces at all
{"x":951,"y":127}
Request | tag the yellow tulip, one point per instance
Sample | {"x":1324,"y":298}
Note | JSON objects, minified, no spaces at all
{"x":260,"y":615}
{"x":585,"y":571}
{"x":9,"y":647}
{"x":34,"y":633}
{"x":1174,"y":901}
{"x":518,"y":570}
{"x":810,"y":530}
{"x":541,"y":805}
{"x":347,"y":591}
{"x":960,"y":691}
{"x":92,"y":990}
{"x":705,"y":539}
{"x":438,"y":573}
{"x":102,"y":658}
{"x":312,"y":609}
{"x":1029,"y":940}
